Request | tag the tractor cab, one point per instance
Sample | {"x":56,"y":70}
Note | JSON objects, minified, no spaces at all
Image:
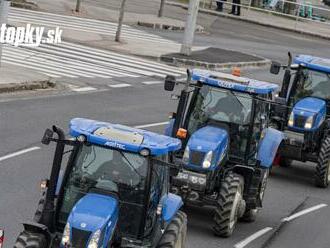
{"x":222,"y":122}
{"x":303,"y":110}
{"x":229,"y":109}
{"x":113,"y":192}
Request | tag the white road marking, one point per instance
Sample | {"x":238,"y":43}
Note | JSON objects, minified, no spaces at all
{"x":152,"y":124}
{"x":84,"y":89}
{"x":19,"y":153}
{"x":119,"y":85}
{"x":253,"y":237}
{"x":152,"y":82}
{"x":305,"y":211}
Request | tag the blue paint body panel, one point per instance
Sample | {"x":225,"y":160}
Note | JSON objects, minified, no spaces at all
{"x":268,"y":146}
{"x":243,"y":84}
{"x":313,"y":63}
{"x":156,"y":143}
{"x":207,"y":139}
{"x":171,"y":205}
{"x":310,"y":107}
{"x":95,"y":212}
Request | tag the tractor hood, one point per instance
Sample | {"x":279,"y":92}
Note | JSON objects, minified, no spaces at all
{"x":202,"y":142}
{"x":308,"y":114}
{"x":93,"y":212}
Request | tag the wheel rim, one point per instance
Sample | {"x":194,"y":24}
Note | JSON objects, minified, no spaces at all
{"x":233,"y":213}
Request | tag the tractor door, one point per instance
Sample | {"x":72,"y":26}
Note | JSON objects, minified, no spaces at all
{"x":159,"y":187}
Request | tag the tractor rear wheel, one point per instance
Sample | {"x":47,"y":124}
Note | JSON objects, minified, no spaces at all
{"x":175,"y":233}
{"x":230,"y":205}
{"x":30,"y":240}
{"x":322,"y":176}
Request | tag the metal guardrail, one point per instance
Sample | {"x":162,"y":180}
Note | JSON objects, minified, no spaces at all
{"x":298,"y":12}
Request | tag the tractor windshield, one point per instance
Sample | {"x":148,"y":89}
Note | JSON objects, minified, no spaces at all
{"x":313,"y":83}
{"x":228,"y":109}
{"x":101,"y":170}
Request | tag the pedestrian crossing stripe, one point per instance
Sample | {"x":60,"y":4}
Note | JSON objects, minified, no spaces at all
{"x":73,"y":60}
{"x":82,"y":24}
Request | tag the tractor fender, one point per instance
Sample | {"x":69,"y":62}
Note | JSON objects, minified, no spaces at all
{"x":171,"y":205}
{"x":268,"y":146}
{"x":33,"y":227}
{"x":169,"y":128}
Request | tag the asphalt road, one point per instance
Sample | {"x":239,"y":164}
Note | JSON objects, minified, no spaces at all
{"x":24,"y":117}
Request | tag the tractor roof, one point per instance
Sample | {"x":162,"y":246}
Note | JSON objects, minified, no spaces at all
{"x":231,"y":82}
{"x":123,"y":137}
{"x":313,"y":63}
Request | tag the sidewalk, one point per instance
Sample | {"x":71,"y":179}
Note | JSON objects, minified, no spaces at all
{"x":316,"y":29}
{"x":16,"y":78}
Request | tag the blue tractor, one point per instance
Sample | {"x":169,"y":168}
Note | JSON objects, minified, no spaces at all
{"x":112,"y":192}
{"x":228,"y":148}
{"x":302,"y":111}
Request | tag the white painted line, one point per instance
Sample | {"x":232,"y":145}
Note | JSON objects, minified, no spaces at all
{"x":119,"y":85}
{"x":152,"y":124}
{"x":84,"y":89}
{"x":19,"y":153}
{"x":253,"y":237}
{"x":306,"y":211}
{"x":152,"y":82}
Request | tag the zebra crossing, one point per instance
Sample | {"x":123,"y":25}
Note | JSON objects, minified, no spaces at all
{"x":73,"y":60}
{"x":82,"y":24}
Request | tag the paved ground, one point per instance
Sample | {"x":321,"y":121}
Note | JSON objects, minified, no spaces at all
{"x":141,"y":100}
{"x":24,"y":119}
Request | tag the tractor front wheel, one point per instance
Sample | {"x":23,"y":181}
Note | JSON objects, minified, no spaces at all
{"x":175,"y":234}
{"x":230,"y":205}
{"x":30,"y":240}
{"x":322,"y":176}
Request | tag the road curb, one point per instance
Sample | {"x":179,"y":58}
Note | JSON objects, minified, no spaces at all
{"x":161,"y":26}
{"x":33,"y":85}
{"x":216,"y":13}
{"x":213,"y":66}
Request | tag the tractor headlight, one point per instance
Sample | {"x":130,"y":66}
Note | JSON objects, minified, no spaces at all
{"x":207,"y":160}
{"x":309,"y":122}
{"x":291,"y":120}
{"x":94,"y":242}
{"x":66,"y":235}
{"x":185,"y":157}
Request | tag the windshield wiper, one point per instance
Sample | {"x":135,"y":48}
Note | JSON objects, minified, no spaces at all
{"x":237,"y":99}
{"x":129,"y":163}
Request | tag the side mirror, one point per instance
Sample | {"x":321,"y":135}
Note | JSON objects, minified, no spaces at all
{"x":170,"y":82}
{"x":275,"y":68}
{"x":48,"y":135}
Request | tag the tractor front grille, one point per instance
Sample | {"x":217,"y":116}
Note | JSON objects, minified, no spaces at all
{"x":80,"y":238}
{"x":196,"y":157}
{"x":299,"y":121}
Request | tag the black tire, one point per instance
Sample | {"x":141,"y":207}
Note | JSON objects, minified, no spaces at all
{"x":30,"y":240}
{"x":228,"y":210}
{"x":323,"y":164}
{"x":285,"y":162}
{"x":250,"y":215}
{"x":175,"y":233}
